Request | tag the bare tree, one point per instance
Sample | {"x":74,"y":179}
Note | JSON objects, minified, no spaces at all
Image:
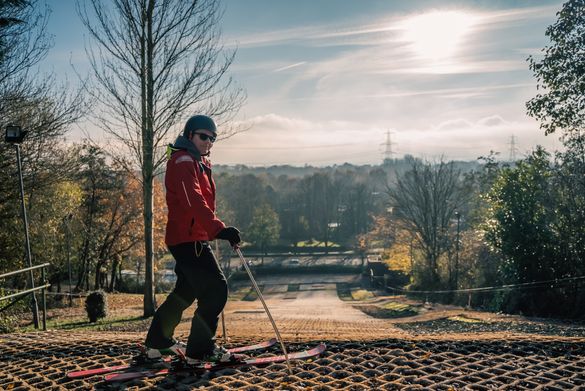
{"x":23,"y":41}
{"x":33,"y":101}
{"x":153,"y":61}
{"x":425,"y":200}
{"x":30,"y":99}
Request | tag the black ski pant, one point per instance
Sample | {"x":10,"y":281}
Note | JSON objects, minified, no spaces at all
{"x":199,"y":276}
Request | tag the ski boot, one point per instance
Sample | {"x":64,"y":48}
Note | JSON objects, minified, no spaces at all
{"x":149,"y":355}
{"x":218,"y":357}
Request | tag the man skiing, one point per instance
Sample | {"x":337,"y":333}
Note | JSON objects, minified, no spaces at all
{"x":192,"y":223}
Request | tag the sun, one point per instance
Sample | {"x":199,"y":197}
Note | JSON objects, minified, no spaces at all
{"x":438,"y":35}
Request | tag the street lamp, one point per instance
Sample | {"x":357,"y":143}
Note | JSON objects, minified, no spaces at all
{"x":15,"y":135}
{"x":458,"y":216}
{"x":66,"y":221}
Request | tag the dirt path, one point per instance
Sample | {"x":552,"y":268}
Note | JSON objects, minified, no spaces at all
{"x":313,"y":310}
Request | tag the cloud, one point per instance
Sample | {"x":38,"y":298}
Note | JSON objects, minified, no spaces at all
{"x":494,"y":120}
{"x":368,"y":75}
{"x":383,"y":28}
{"x":285,"y":126}
{"x":515,"y":16}
{"x":463,"y":139}
{"x":464,"y":124}
{"x":278,"y":139}
{"x":284,"y":68}
{"x":454,"y":124}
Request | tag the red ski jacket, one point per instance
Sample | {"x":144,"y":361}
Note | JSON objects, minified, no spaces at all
{"x":190,"y":200}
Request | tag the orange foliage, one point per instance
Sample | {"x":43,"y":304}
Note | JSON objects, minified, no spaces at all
{"x":133,"y":199}
{"x":397,"y":257}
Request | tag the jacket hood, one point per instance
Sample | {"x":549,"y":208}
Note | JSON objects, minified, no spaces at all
{"x":183,"y":142}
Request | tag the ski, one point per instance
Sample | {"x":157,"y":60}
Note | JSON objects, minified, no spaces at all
{"x":162,"y":362}
{"x":210,"y":366}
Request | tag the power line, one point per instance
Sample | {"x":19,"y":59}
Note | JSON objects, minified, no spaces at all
{"x":498,"y":288}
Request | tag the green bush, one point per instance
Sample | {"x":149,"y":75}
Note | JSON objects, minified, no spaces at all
{"x":361,"y":294}
{"x":8,"y":323}
{"x":96,"y":305}
{"x":11,"y":317}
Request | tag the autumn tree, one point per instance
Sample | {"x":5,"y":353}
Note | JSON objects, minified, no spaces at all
{"x":154,"y":62}
{"x":45,"y":110}
{"x":117,"y":233}
{"x":99,"y":184}
{"x":136,"y":253}
{"x":424,"y":202}
{"x":320,"y":201}
{"x":241,"y":194}
{"x":264,"y":229}
{"x":294,"y":223}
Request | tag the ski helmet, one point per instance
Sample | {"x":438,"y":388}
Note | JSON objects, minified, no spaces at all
{"x":199,"y":122}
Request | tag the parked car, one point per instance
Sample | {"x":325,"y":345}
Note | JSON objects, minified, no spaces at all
{"x":294,"y":262}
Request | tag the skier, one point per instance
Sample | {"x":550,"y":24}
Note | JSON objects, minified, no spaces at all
{"x":192,"y":223}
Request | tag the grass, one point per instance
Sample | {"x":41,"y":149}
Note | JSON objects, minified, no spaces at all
{"x":361,"y":294}
{"x":464,"y":319}
{"x":315,"y":243}
{"x":238,"y":294}
{"x":389,"y":310}
{"x":252,"y":295}
{"x":126,"y":323}
{"x":243,"y":294}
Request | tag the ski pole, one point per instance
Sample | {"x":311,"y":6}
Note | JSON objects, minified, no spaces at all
{"x":223,"y":327}
{"x":245,"y":264}
{"x":222,"y":312}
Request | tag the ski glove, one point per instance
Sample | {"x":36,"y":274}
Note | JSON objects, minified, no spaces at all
{"x":230,"y":234}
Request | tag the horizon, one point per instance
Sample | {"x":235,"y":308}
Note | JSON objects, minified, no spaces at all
{"x":327,"y":81}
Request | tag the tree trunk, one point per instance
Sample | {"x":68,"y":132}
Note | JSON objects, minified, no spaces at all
{"x":115,"y":266}
{"x":82,"y":273}
{"x":148,"y":163}
{"x":98,"y":275}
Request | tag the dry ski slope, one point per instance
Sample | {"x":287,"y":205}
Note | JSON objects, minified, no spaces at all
{"x":363,"y":353}
{"x":313,"y":311}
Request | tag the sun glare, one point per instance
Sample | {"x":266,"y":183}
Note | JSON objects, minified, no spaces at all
{"x":438,"y":35}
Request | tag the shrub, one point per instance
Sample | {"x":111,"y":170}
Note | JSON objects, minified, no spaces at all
{"x":12,"y":316}
{"x":361,"y":294}
{"x":7,"y":323}
{"x":96,"y":306}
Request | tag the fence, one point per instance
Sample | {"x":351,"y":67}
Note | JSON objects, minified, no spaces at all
{"x":554,"y":283}
{"x":22,"y":294}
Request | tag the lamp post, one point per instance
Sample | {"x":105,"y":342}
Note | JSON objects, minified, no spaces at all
{"x":66,"y":221}
{"x":15,"y":135}
{"x":458,"y":216}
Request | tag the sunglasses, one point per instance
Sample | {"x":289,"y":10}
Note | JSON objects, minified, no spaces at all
{"x":205,"y":137}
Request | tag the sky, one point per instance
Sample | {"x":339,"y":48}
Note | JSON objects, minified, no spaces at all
{"x":331,"y":81}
